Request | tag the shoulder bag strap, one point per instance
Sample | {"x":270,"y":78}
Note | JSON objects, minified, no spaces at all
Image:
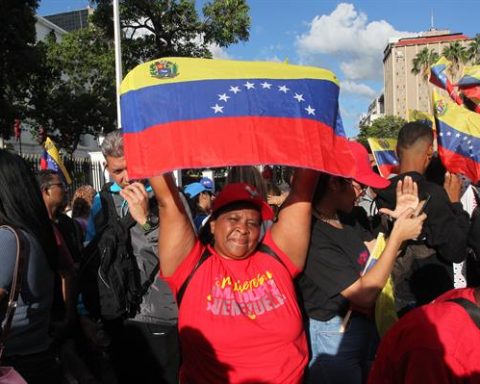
{"x":205,"y":255}
{"x":15,"y":288}
{"x":471,"y":308}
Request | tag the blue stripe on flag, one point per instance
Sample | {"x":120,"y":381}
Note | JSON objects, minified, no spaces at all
{"x":304,"y":99}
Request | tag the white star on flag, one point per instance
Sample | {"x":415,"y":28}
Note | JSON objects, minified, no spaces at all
{"x":223,"y":97}
{"x":465,"y":137}
{"x":310,"y":110}
{"x":298,"y":97}
{"x":235,"y":90}
{"x":266,"y":85}
{"x":249,"y":85}
{"x":440,"y":134}
{"x":217,"y":108}
{"x":457,"y":135}
{"x":449,"y":133}
{"x":283,"y":89}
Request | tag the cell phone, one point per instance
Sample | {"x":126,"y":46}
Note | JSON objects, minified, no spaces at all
{"x":422,"y":206}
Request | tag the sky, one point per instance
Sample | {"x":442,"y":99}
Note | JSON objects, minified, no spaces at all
{"x":347,"y":38}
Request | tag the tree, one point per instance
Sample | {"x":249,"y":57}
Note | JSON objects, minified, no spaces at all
{"x":456,"y":53}
{"x":17,"y":59}
{"x":384,"y":127}
{"x":423,"y":61}
{"x":474,"y":50}
{"x":160,"y":28}
{"x":73,"y":88}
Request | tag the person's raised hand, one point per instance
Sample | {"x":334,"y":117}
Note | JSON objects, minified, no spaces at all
{"x":408,"y":226}
{"x":453,"y":186}
{"x":407,"y":197}
{"x":137,"y":198}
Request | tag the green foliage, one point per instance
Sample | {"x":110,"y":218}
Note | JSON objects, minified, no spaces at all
{"x":383,"y":127}
{"x":17,"y":59}
{"x":73,"y":88}
{"x":161,"y":28}
{"x":474,"y":50}
{"x":456,"y":53}
{"x":423,"y":61}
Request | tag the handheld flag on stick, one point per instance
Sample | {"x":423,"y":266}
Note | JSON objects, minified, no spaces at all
{"x":458,"y":138}
{"x":383,"y":151}
{"x":195,"y":113}
{"x":385,"y":312}
{"x":51,"y":160}
{"x":424,"y":117}
{"x":440,"y":79}
{"x":469,"y":85}
{"x":17,"y":129}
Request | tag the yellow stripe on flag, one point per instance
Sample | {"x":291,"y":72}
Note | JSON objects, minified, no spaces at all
{"x":52,"y":150}
{"x":181,"y":69}
{"x":385,"y":313}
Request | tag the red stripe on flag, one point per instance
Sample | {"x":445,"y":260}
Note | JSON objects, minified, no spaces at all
{"x":456,"y":163}
{"x":237,"y":141}
{"x":387,"y":169}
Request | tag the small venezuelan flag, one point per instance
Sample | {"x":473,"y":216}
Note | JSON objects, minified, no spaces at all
{"x":384,"y":152}
{"x":51,"y":160}
{"x":458,"y":137}
{"x":194,"y":113}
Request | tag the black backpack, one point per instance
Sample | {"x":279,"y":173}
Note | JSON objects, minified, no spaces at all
{"x":109,"y":280}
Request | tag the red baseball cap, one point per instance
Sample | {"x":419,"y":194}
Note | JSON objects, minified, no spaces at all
{"x":364,"y":173}
{"x":241,"y":192}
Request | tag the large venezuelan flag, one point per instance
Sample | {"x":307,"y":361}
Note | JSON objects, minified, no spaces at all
{"x":385,"y":155}
{"x":458,"y":137}
{"x":195,"y":113}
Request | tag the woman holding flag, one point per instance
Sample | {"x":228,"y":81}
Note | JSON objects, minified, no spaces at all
{"x":334,"y":281}
{"x":239,"y":321}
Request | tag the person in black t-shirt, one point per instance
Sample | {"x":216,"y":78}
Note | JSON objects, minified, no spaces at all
{"x":333,"y":280}
{"x":425,"y":270}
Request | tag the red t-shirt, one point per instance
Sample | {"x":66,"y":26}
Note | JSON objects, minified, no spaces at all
{"x":239,"y":320}
{"x":436,"y":343}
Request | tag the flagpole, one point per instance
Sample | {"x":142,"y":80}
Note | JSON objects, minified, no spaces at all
{"x":118,"y":58}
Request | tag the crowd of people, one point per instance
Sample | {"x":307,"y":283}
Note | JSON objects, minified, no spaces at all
{"x":259,"y":279}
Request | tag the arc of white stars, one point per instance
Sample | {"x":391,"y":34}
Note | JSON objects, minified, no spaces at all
{"x":298,"y":97}
{"x":217,"y":108}
{"x":266,"y":85}
{"x":223,"y":97}
{"x":235,"y":90}
{"x":310,"y":110}
{"x":283,"y":88}
{"x":249,"y":85}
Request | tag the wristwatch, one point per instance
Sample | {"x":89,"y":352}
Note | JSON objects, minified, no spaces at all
{"x":151,"y":223}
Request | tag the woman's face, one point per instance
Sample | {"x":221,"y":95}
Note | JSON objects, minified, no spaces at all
{"x":236,"y":232}
{"x":346,"y":195}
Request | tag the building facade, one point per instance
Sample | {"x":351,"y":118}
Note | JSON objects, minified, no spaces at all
{"x":403,"y":89}
{"x":376,"y":109}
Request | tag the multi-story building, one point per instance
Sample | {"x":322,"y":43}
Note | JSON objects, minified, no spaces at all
{"x":376,"y":109}
{"x":403,"y":89}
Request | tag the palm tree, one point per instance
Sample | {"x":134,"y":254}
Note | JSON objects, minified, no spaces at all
{"x":423,"y":61}
{"x":456,"y":53}
{"x":474,"y":50}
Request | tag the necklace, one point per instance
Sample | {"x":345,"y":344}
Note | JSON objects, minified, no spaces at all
{"x":329,"y":219}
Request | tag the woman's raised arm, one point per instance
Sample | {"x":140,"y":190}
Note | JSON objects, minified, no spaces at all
{"x":176,"y":236}
{"x":291,"y":232}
